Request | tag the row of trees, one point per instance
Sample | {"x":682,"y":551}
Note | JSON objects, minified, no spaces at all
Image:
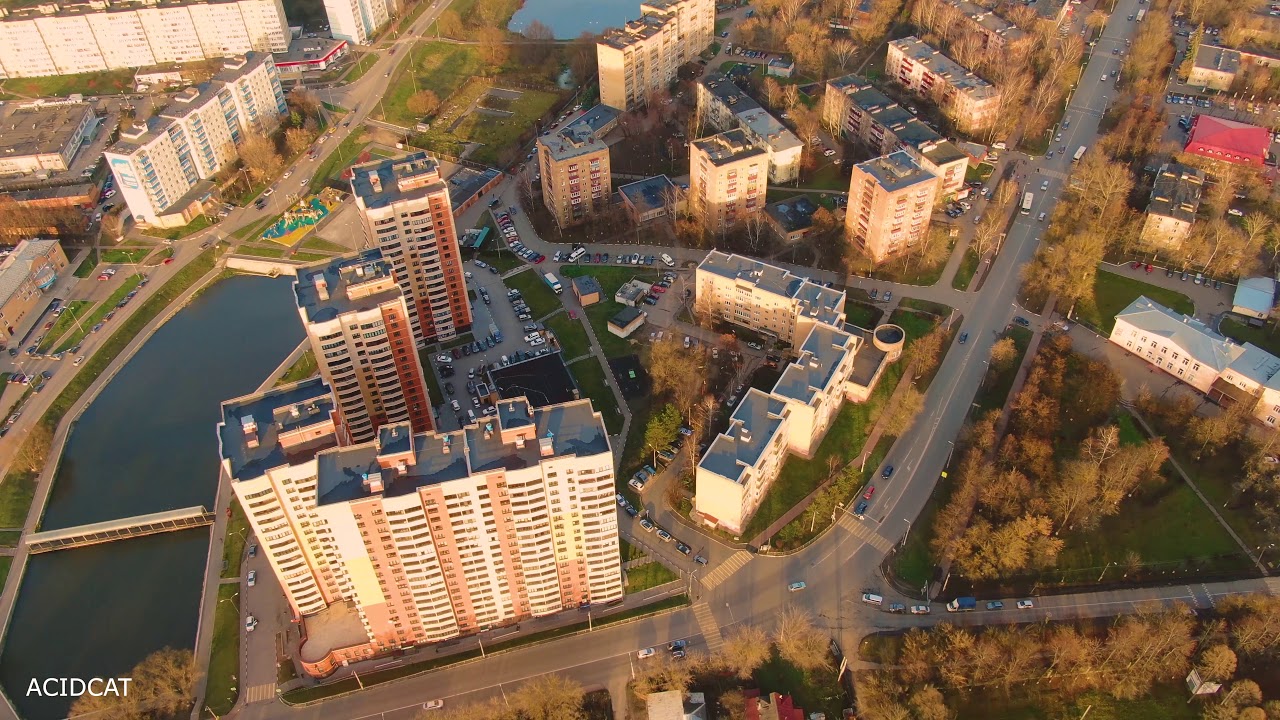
{"x":261,"y":155}
{"x":791,"y":26}
{"x":546,"y":697}
{"x":1126,"y":660}
{"x":163,"y":688}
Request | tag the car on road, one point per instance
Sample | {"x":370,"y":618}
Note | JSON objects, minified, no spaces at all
{"x":253,"y":578}
{"x":1041,"y":217}
{"x":682,"y":548}
{"x":897,"y":608}
{"x":964,"y":337}
{"x":677,"y":645}
{"x":78,"y":361}
{"x":888,"y":295}
{"x":919,"y":609}
{"x":995,"y":605}
{"x":253,"y":550}
{"x":250,"y":623}
{"x":796,"y":587}
{"x":664,"y":536}
{"x":433,"y":704}
{"x":1022,"y":321}
{"x":888,"y":472}
{"x":647,"y":524}
{"x":677,"y":654}
{"x":700,"y":559}
{"x":755,"y":346}
{"x":861,"y":509}
{"x":1026,"y":605}
{"x":646,"y":653}
{"x":871,"y":490}
{"x":1044,"y":185}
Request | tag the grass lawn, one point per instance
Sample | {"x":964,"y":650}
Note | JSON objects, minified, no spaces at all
{"x":224,"y":659}
{"x":261,"y":251}
{"x":74,"y":309}
{"x":589,"y":374}
{"x":9,"y":538}
{"x":360,"y":67}
{"x":436,"y":66}
{"x":233,"y":547}
{"x":16,"y":493}
{"x":78,"y":333}
{"x":304,"y":368}
{"x":107,"y":82}
{"x":914,"y":561}
{"x":200,"y":222}
{"x":610,"y":279}
{"x":307,"y":257}
{"x":1264,"y":337}
{"x":908,"y":271}
{"x":828,"y":177}
{"x":542,"y":300}
{"x":504,"y":260}
{"x":497,"y":134}
{"x":864,"y":315}
{"x":88,"y":265}
{"x":816,"y":691}
{"x":648,"y":575}
{"x":333,"y":164}
{"x":5,"y":563}
{"x":967,"y":270}
{"x":434,"y":393}
{"x":996,"y":385}
{"x":1164,"y":702}
{"x":316,"y":243}
{"x":126,"y":257}
{"x":627,"y":551}
{"x":573,"y":339}
{"x":1112,"y":293}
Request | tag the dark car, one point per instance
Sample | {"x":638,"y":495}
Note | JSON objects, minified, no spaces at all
{"x":457,"y":353}
{"x":888,"y":471}
{"x":861,"y":509}
{"x":682,"y":548}
{"x":1168,"y":272}
{"x":964,"y":336}
{"x":995,"y":605}
{"x":677,"y":645}
{"x":1022,"y":321}
{"x":448,"y":387}
{"x":699,"y":559}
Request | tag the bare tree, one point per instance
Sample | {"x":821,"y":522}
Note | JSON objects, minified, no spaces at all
{"x":260,"y":158}
{"x":799,"y":642}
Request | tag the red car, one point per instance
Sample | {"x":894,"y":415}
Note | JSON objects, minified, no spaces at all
{"x":658,"y":289}
{"x":573,"y":315}
{"x":871,"y":489}
{"x":1149,"y":268}
{"x":168,"y":261}
{"x":1135,"y":265}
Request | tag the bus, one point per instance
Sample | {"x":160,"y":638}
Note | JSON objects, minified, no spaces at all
{"x":1079,"y":154}
{"x":1141,"y":14}
{"x":1027,"y":199}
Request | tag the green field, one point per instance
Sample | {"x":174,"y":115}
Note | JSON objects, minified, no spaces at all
{"x":304,"y":368}
{"x":131,"y":256}
{"x":591,"y":381}
{"x":334,"y":163}
{"x":648,"y":575}
{"x":80,"y":331}
{"x":439,"y":67}
{"x":265,"y":251}
{"x":6,"y":562}
{"x":967,"y":270}
{"x":224,"y":659}
{"x":573,"y":338}
{"x":233,"y":546}
{"x":316,"y":243}
{"x":74,"y":309}
{"x":360,"y":67}
{"x":108,"y":82}
{"x":16,"y":493}
{"x":87,"y":266}
{"x":1264,"y":337}
{"x":542,"y":301}
{"x":1112,"y":293}
{"x":198,"y":223}
{"x":499,"y":134}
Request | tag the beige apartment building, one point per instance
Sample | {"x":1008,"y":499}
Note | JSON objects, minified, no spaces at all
{"x":853,"y":109}
{"x":728,"y":176}
{"x":764,"y":298}
{"x":40,"y":138}
{"x":1175,"y":200}
{"x":417,"y":538}
{"x":27,"y":273}
{"x":971,"y":102}
{"x":576,"y":180}
{"x":404,"y":205}
{"x":890,"y":204}
{"x":642,"y":58}
{"x":723,"y":105}
{"x":66,"y":39}
{"x":357,"y":322}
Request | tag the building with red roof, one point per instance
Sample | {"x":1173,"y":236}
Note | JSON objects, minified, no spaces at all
{"x":775,"y":706}
{"x":1228,"y":141}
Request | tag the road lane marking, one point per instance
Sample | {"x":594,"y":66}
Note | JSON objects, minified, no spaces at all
{"x":709,"y":627}
{"x":260,"y":693}
{"x":727,"y":568}
{"x":859,"y":530}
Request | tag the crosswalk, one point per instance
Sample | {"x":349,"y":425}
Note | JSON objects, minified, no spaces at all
{"x":1273,"y":585}
{"x":727,"y":568}
{"x":260,"y":693}
{"x":859,"y":530}
{"x":709,"y":627}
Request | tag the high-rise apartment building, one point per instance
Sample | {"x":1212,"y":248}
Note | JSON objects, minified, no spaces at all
{"x":65,"y":39}
{"x":725,"y":106}
{"x":728,"y":175}
{"x":854,"y":110}
{"x":642,"y":58}
{"x":890,"y":203}
{"x":356,"y":21}
{"x":159,"y":166}
{"x":764,"y":298}
{"x":357,"y":322}
{"x":971,"y":102}
{"x":574,"y":164}
{"x":415,"y":538}
{"x":404,"y":204}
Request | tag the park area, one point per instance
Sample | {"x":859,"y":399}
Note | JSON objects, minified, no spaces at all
{"x":1112,"y":294}
{"x":301,"y":218}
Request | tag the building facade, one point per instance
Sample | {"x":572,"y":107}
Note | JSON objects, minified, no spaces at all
{"x":416,"y":538}
{"x":405,"y":209}
{"x":1215,"y":68}
{"x":725,"y":106}
{"x":728,"y":176}
{"x":642,"y":58}
{"x":764,"y":298}
{"x":576,"y":179}
{"x":42,"y":138}
{"x":357,"y":21}
{"x":94,"y":36}
{"x":853,"y":109}
{"x":890,"y":204}
{"x":1175,"y":200}
{"x":971,"y":102}
{"x":357,"y":321}
{"x":26,"y":274}
{"x":159,"y":166}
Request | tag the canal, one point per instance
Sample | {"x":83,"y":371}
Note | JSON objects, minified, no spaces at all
{"x":570,"y":18}
{"x":146,"y":444}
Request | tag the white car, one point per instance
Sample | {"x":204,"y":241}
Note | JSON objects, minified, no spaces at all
{"x":250,"y":623}
{"x":1025,"y":605}
{"x":646,"y":653}
{"x":444,"y":358}
{"x":828,"y":152}
{"x":78,"y":361}
{"x":253,"y":578}
{"x":287,"y":173}
{"x":433,"y":705}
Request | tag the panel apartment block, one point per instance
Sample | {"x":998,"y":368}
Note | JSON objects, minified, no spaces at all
{"x":728,"y":176}
{"x":86,"y":37}
{"x":417,"y":538}
{"x":642,"y":58}
{"x":357,"y":21}
{"x":357,"y":322}
{"x":971,"y":102}
{"x":765,"y":298}
{"x":576,"y":180}
{"x":404,"y":205}
{"x":725,"y":106}
{"x":890,"y":204}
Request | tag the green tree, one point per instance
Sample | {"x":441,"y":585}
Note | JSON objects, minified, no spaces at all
{"x":663,"y":427}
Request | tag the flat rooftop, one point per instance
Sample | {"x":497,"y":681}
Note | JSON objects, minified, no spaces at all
{"x":29,"y":9}
{"x":381,"y":183}
{"x":543,"y":380}
{"x":728,"y":93}
{"x":466,"y":182}
{"x":895,"y":171}
{"x":635,"y":31}
{"x":337,"y":626}
{"x":1176,"y":192}
{"x":955,"y":74}
{"x":822,"y":351}
{"x":40,"y":130}
{"x":826,"y":304}
{"x":759,"y":415}
{"x":728,"y":147}
{"x":649,"y":194}
{"x":793,"y":213}
{"x":1211,"y":57}
{"x":993,"y":23}
{"x":306,"y":50}
{"x":345,"y":284}
{"x":572,"y":141}
{"x":251,"y":427}
{"x":597,"y":118}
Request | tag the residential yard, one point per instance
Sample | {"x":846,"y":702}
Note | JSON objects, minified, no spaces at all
{"x":610,"y":278}
{"x":304,"y":368}
{"x":434,"y":393}
{"x":542,"y":301}
{"x":85,"y":326}
{"x":909,"y":271}
{"x":627,"y":551}
{"x":1112,"y":293}
{"x":815,"y":691}
{"x":1264,"y":337}
{"x":648,"y":575}
{"x":109,"y":82}
{"x":436,"y":66}
{"x":864,"y":315}
{"x":224,"y":659}
{"x":573,"y":338}
{"x":590,"y":375}
{"x":496,"y":135}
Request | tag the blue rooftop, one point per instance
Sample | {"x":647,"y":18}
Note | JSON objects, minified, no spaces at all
{"x":249,"y":434}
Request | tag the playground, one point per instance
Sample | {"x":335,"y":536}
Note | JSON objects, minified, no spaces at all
{"x":302,"y":218}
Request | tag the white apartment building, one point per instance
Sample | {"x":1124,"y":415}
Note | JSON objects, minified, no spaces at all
{"x":53,"y":39}
{"x":725,"y":106}
{"x":419,"y":538}
{"x":159,"y":167}
{"x":765,"y":298}
{"x":642,"y":58}
{"x":357,"y":321}
{"x":357,"y":21}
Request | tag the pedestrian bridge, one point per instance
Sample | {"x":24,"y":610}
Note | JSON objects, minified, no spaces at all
{"x":122,"y":529}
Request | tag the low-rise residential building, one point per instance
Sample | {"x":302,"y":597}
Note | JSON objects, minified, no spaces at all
{"x":627,"y":321}
{"x":853,"y":109}
{"x":971,"y":102}
{"x":26,"y":274}
{"x":1175,"y":200}
{"x":771,"y":706}
{"x":587,"y":290}
{"x":676,"y":705}
{"x":642,"y":58}
{"x":163,"y":167}
{"x":764,"y":298}
{"x":728,"y":177}
{"x":996,"y":32}
{"x":650,"y":199}
{"x":781,"y":67}
{"x":42,"y":138}
{"x":790,"y":218}
{"x":725,"y":106}
{"x":890,"y":204}
{"x":1215,"y":68}
{"x":1179,"y":345}
{"x":576,"y":178}
{"x":1228,"y":141}
{"x":417,"y":538}
{"x":1254,"y":298}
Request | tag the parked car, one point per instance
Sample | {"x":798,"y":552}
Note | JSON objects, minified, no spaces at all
{"x":796,"y":587}
{"x":995,"y":605}
{"x":1026,"y":605}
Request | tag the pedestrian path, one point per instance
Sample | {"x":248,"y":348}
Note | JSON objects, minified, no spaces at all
{"x":709,"y":627}
{"x":860,"y":530}
{"x":1273,"y":585}
{"x":260,"y":693}
{"x":727,"y":568}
